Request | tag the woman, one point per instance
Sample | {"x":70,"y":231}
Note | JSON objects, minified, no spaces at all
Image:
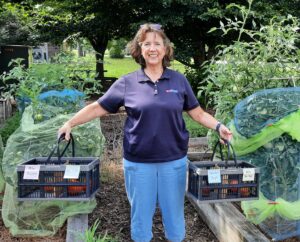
{"x":155,"y":138}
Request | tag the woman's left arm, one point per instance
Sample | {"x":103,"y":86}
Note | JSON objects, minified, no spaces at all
{"x":205,"y":119}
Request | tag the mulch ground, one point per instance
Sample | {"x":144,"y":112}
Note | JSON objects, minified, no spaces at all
{"x":113,"y":213}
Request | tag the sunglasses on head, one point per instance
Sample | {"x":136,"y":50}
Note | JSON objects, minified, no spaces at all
{"x":152,"y":26}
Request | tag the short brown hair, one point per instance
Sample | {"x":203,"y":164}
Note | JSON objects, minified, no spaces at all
{"x":135,"y":48}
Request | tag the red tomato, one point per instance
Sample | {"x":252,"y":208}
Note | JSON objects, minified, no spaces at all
{"x":245,"y":191}
{"x":73,"y":190}
{"x":233,"y":182}
{"x":205,"y":192}
{"x":49,"y":189}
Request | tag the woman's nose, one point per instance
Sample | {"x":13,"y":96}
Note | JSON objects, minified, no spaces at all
{"x":153,"y":47}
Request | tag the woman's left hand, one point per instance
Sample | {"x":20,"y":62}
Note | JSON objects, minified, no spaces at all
{"x":225,"y":133}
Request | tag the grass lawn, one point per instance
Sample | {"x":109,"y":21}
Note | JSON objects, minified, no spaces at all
{"x":114,"y":67}
{"x":119,"y":67}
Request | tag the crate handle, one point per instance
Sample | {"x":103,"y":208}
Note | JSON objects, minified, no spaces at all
{"x":229,"y":145}
{"x":56,"y":148}
{"x":61,"y":138}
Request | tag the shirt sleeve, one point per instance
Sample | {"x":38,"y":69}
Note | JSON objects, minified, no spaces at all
{"x":113,"y":99}
{"x":190,"y":100}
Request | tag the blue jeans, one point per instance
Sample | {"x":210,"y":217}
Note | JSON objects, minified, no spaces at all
{"x":150,"y":183}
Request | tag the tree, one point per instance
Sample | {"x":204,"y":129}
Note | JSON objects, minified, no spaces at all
{"x":15,"y":26}
{"x":98,"y":21}
{"x":188,"y":22}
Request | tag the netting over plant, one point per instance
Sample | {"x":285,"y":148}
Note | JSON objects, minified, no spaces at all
{"x":266,"y":134}
{"x":265,"y":108}
{"x":36,"y":140}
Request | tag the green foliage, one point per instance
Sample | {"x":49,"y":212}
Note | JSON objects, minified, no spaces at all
{"x":97,"y":21}
{"x":194,"y":128}
{"x":82,"y":78}
{"x":65,"y":73}
{"x":269,"y":59}
{"x":117,"y":48}
{"x":186,"y":22}
{"x":90,"y":235}
{"x":16,"y":26}
{"x":197,"y":79}
{"x":30,"y":84}
{"x":11,"y":124}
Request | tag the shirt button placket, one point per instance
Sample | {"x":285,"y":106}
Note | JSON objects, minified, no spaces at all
{"x":155,"y":89}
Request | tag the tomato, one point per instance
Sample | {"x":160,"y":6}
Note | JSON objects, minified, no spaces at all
{"x":233,"y":189}
{"x":49,"y":189}
{"x":38,"y":117}
{"x":245,"y":191}
{"x":205,"y":192}
{"x":74,"y":190}
{"x":234,"y":88}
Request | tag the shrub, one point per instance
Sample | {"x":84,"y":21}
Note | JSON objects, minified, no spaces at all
{"x":10,"y":126}
{"x":196,"y":79}
{"x":270,"y":59}
{"x":194,"y":128}
{"x":117,"y":48}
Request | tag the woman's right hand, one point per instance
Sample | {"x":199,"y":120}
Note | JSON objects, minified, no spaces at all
{"x":65,"y":129}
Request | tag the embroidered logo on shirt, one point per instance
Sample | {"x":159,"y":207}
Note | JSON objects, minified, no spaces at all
{"x":172,"y":90}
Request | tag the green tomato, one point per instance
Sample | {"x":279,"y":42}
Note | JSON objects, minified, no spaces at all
{"x":38,"y":117}
{"x":234,"y":88}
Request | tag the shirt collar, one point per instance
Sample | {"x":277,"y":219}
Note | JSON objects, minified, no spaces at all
{"x":142,"y":77}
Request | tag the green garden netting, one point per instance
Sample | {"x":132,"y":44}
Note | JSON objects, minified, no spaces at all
{"x":266,"y":133}
{"x":288,"y":124}
{"x":35,"y":140}
{"x":265,"y":107}
{"x":257,"y":211}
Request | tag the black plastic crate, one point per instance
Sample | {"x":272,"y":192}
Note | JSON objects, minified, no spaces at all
{"x":231,"y":186}
{"x":51,"y":184}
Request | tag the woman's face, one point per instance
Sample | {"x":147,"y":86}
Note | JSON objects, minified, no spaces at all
{"x":153,"y":49}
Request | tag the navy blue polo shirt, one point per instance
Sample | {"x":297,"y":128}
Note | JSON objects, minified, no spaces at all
{"x":154,"y":130}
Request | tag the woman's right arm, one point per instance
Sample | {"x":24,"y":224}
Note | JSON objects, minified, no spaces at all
{"x":85,"y":115}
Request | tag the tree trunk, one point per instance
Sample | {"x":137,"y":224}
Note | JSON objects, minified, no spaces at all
{"x":99,"y":44}
{"x":200,"y":55}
